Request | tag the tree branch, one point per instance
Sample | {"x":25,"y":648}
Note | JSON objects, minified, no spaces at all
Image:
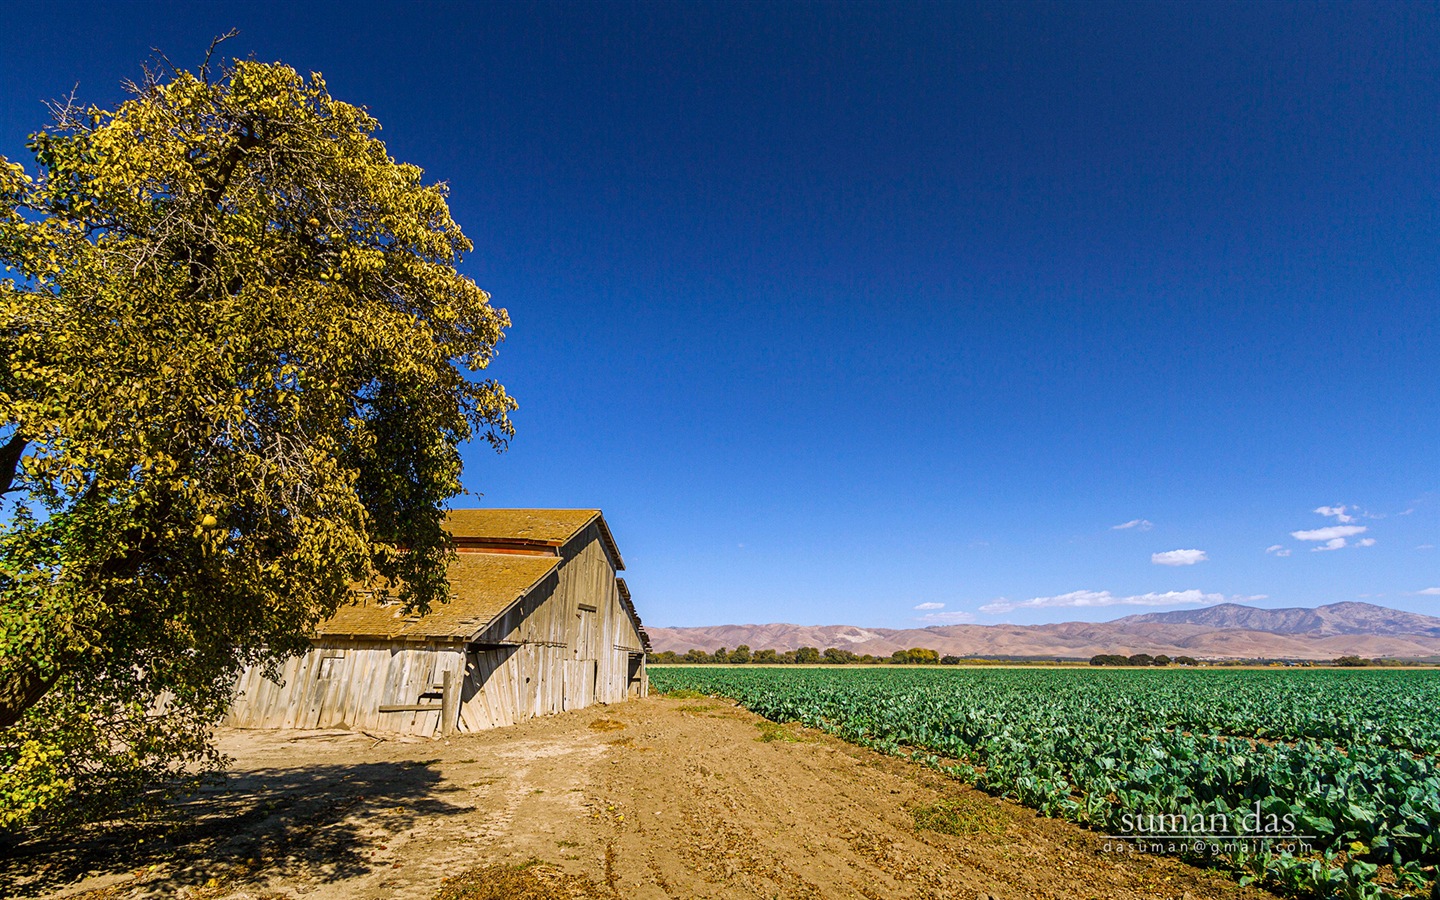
{"x":22,"y":691}
{"x":10,"y":462}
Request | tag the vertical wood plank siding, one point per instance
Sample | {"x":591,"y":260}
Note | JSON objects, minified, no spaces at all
{"x":543,"y":655}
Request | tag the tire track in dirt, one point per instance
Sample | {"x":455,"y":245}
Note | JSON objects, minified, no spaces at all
{"x":659,"y":798}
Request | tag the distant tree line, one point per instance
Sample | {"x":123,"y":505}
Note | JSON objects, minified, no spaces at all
{"x":922,"y":656}
{"x":1140,"y":659}
{"x":1145,"y":659}
{"x":1352,"y":662}
{"x":743,"y":655}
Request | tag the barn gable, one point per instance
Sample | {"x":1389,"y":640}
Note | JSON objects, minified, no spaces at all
{"x":538,"y":622}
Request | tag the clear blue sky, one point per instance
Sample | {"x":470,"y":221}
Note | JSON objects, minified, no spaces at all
{"x":837,"y":310}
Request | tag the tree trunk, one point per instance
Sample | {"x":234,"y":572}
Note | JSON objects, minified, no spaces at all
{"x":21,"y":691}
{"x":10,"y":462}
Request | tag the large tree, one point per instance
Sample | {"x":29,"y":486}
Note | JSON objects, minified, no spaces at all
{"x":238,"y":363}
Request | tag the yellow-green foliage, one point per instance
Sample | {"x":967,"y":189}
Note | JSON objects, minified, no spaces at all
{"x":960,"y":817}
{"x":237,"y":366}
{"x":32,"y":783}
{"x":789,"y":732}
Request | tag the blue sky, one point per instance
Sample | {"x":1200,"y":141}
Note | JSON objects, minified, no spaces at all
{"x":841,"y":310}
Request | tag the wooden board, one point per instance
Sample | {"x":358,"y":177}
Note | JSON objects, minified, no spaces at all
{"x":566,"y":645}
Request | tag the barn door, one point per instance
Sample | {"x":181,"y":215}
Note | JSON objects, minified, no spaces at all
{"x":581,"y":670}
{"x":634,"y":675}
{"x":585,"y":634}
{"x":579,"y":688}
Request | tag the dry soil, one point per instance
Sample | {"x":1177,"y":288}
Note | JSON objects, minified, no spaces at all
{"x":658,"y":798}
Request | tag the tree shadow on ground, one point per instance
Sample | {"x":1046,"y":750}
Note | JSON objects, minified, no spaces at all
{"x":324,"y":821}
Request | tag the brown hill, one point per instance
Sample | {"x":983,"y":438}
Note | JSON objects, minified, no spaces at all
{"x":1219,"y":632}
{"x":1337,"y":618}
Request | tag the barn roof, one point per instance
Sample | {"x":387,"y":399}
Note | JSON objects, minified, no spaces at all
{"x":547,"y":527}
{"x":629,"y":606}
{"x":550,"y":526}
{"x":482,"y":585}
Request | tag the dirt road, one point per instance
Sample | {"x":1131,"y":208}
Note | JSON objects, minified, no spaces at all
{"x":660,"y":798}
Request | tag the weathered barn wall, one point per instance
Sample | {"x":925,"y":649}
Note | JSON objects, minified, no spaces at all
{"x":566,"y":644}
{"x":576,"y":643}
{"x":343,"y":684}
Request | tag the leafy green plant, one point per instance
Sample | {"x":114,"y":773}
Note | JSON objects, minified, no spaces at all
{"x":1347,"y":758}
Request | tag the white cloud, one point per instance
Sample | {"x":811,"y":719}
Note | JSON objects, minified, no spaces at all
{"x":1329,"y":534}
{"x":1137,"y":524}
{"x":1278,"y":550}
{"x":1088,"y":599}
{"x":1429,"y":592}
{"x":957,"y":617}
{"x":931,"y":606}
{"x":1424,"y":546}
{"x":1337,"y":512}
{"x":1337,"y":537}
{"x":1178,"y":557}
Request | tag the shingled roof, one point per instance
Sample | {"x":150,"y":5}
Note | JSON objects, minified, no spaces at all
{"x":482,"y":585}
{"x":541,"y":527}
{"x":629,"y":607}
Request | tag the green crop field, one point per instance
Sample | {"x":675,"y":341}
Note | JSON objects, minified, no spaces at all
{"x":1326,"y":783}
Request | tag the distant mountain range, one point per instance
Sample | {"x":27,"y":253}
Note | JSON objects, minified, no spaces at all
{"x":1216,"y":632}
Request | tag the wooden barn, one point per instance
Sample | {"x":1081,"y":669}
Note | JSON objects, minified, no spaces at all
{"x":538,"y":622}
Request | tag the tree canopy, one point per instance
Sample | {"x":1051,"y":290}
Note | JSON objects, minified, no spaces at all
{"x":238,"y":364}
